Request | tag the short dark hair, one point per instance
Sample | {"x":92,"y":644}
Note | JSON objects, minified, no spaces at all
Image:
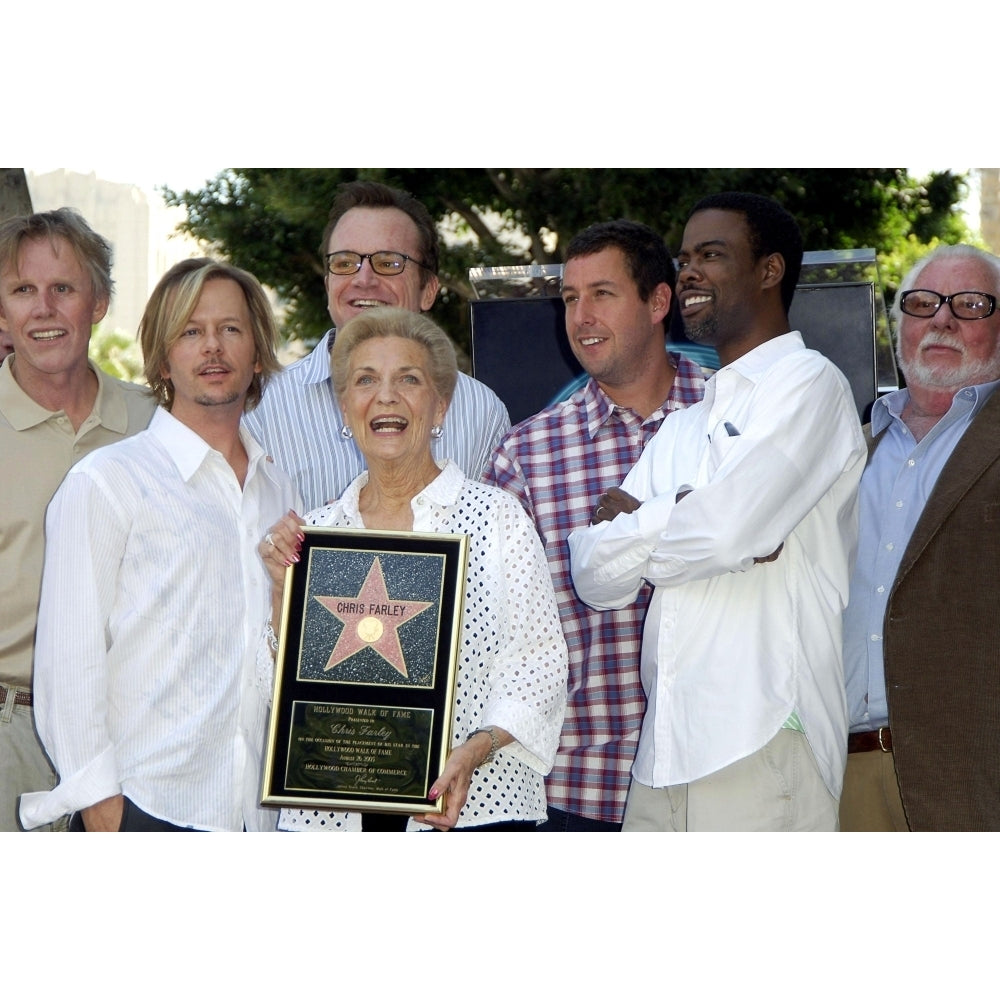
{"x":92,"y":249}
{"x":649,"y":261}
{"x":772,"y":229}
{"x":372,"y":194}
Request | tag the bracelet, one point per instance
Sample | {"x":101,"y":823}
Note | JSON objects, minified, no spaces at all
{"x":494,"y":744}
{"x":272,"y":639}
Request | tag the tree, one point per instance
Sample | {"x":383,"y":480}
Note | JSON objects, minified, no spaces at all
{"x":270,"y":222}
{"x":15,"y":199}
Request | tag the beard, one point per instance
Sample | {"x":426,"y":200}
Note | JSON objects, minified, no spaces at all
{"x":704,"y":330}
{"x":969,"y":372}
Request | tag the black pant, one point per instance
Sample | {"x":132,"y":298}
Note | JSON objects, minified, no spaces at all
{"x":567,"y":822}
{"x":383,"y":822}
{"x":134,"y":820}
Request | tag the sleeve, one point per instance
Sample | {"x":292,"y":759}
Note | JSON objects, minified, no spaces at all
{"x":753,"y":489}
{"x":608,"y":560}
{"x":494,"y":425}
{"x":527,"y":681}
{"x":505,"y":470}
{"x":85,"y":543}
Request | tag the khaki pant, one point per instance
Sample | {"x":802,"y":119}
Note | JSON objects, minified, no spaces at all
{"x":777,"y":788}
{"x":870,"y":802}
{"x":23,"y":764}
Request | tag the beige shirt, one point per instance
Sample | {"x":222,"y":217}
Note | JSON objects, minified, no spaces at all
{"x":37,"y":447}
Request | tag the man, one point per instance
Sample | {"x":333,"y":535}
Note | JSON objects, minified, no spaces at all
{"x":921,"y":631}
{"x":380,"y":248}
{"x":742,"y":514}
{"x":55,"y":407}
{"x":152,"y":673}
{"x":618,"y":286}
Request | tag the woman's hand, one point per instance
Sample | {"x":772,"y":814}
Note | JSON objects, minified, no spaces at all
{"x":279,"y":550}
{"x":456,"y":777}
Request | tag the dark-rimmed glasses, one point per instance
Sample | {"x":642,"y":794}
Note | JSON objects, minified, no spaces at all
{"x":924,"y":303}
{"x":385,"y":262}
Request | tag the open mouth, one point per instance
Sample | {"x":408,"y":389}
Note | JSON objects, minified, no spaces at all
{"x":48,"y":334}
{"x":388,"y":425}
{"x":694,"y":300}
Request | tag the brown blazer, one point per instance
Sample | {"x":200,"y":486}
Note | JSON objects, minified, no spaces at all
{"x":942,"y":643}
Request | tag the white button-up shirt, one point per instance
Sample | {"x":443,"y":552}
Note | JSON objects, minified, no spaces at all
{"x":151,"y":676}
{"x":731,"y":649}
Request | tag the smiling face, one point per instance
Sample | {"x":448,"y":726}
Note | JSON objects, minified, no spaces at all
{"x":719,"y":281}
{"x":390,"y":402}
{"x":612,"y":332}
{"x":943,"y":352}
{"x":213,"y":361}
{"x":368,"y":230}
{"x":48,"y":307}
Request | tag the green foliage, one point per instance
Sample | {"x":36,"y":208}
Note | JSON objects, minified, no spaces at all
{"x":118,"y":354}
{"x":270,"y":222}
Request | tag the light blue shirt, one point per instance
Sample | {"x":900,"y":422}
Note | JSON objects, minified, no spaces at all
{"x":895,"y":486}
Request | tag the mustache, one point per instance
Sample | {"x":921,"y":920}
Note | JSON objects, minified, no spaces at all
{"x":934,"y":338}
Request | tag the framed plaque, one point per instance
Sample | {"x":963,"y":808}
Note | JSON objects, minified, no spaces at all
{"x":365,"y":672}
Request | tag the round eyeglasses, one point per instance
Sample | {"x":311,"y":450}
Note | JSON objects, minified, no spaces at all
{"x":924,"y":303}
{"x":384,"y":262}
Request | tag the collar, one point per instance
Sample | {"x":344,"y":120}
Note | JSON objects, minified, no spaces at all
{"x":599,"y":406}
{"x":23,"y":412}
{"x":754,"y":364}
{"x":189,"y":450}
{"x":889,"y":407}
{"x":314,"y":368}
{"x":443,"y":491}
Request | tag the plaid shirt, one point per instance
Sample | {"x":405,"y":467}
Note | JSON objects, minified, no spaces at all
{"x":557,"y":463}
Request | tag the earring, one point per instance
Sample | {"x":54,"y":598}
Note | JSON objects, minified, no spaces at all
{"x":436,"y":431}
{"x":346,"y":433}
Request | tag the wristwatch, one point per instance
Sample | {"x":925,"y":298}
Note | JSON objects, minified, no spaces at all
{"x":494,"y":744}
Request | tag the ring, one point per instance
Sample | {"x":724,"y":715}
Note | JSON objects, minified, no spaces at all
{"x":269,"y":539}
{"x":597,"y":513}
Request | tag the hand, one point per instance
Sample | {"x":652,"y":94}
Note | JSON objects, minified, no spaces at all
{"x":774,"y":555}
{"x":456,"y":777}
{"x":281,"y":548}
{"x":612,"y":503}
{"x":104,"y":816}
{"x":454,"y":782}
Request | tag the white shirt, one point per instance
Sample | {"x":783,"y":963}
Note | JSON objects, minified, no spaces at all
{"x":731,"y":648}
{"x":299,"y":423}
{"x":512,"y":666}
{"x":151,"y":676}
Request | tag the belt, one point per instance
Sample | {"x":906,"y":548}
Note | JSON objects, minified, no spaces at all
{"x":877,"y":739}
{"x":20,"y":697}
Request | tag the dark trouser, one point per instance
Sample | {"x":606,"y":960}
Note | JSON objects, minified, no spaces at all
{"x":390,"y":822}
{"x":134,"y":820}
{"x":567,"y":822}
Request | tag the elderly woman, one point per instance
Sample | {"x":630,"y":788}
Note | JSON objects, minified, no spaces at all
{"x":394,"y":372}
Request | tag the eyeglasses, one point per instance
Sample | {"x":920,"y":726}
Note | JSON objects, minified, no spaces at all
{"x":964,"y":305}
{"x":384,"y":262}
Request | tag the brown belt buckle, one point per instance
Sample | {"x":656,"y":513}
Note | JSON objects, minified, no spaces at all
{"x":881,"y":743}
